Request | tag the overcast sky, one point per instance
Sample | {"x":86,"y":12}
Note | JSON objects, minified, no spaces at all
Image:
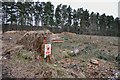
{"x":109,"y":7}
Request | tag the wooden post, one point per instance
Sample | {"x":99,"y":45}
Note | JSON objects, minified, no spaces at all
{"x":40,"y":46}
{"x":46,"y":41}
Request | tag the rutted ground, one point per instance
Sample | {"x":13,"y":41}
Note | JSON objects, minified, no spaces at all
{"x":95,"y":57}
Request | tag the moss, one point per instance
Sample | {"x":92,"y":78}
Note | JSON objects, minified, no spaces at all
{"x":104,"y":56}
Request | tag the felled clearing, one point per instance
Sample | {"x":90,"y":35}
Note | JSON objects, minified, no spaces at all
{"x":81,"y":56}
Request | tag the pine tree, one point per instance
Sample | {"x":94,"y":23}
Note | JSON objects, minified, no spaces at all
{"x":84,"y":23}
{"x":80,"y":17}
{"x":75,"y":21}
{"x":103,"y":24}
{"x":63,"y":15}
{"x":69,"y":20}
{"x":58,"y":15}
{"x":93,"y":23}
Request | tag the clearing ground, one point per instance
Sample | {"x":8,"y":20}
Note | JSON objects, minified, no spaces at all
{"x":79,"y":56}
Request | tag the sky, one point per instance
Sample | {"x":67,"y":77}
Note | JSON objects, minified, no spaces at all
{"x":109,"y":7}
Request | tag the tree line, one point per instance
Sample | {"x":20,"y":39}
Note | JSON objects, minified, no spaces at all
{"x":63,"y":17}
